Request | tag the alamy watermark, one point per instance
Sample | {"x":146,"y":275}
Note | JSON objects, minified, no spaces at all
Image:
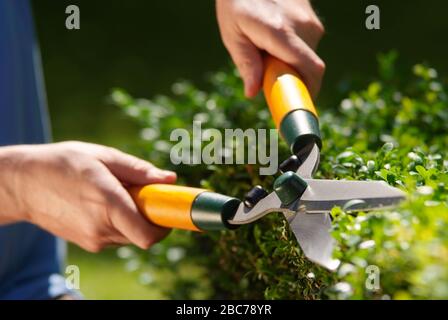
{"x":73,"y":277}
{"x":373,"y":17}
{"x":73,"y":20}
{"x":233,"y":146}
{"x":373,"y":278}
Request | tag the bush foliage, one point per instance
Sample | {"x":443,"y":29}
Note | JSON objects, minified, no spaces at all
{"x":394,"y":130}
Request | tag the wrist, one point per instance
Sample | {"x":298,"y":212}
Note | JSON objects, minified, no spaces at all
{"x":12,"y":205}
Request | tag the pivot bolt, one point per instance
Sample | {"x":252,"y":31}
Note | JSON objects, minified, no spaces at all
{"x":289,"y":187}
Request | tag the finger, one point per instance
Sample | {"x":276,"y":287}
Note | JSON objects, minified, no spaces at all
{"x":283,"y":43}
{"x":248,"y":60}
{"x":311,"y":32}
{"x":125,"y":217}
{"x":294,"y":51}
{"x":116,"y":240}
{"x":132,"y":170}
{"x":307,"y":25}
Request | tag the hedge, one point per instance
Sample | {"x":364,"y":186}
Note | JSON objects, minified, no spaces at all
{"x":394,"y":130}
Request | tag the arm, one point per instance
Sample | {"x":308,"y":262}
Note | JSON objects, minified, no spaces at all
{"x":76,"y":191}
{"x":287,"y":29}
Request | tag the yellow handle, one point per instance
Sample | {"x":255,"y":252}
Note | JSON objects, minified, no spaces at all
{"x":167,"y":205}
{"x":284,"y":90}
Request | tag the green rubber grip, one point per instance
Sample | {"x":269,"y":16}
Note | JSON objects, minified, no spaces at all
{"x":300,"y":128}
{"x":211,"y":211}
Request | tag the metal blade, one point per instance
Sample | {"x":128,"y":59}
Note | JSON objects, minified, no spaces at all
{"x":313,"y":231}
{"x":322,"y":195}
{"x":310,"y":162}
{"x":313,"y":235}
{"x":271,"y":203}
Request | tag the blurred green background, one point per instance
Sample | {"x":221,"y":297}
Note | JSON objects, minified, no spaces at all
{"x":144,"y":46}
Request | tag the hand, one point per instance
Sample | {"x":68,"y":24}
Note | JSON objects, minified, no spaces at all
{"x":287,"y":29}
{"x":76,"y":191}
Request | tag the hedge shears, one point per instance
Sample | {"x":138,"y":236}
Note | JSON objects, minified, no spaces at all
{"x":305,"y":202}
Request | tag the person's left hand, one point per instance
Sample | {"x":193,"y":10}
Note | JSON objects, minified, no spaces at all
{"x":77,"y":191}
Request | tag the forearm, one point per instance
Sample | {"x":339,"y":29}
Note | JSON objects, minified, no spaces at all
{"x":11,"y":208}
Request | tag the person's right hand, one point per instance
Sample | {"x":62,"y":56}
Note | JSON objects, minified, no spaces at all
{"x":76,"y":191}
{"x":287,"y":29}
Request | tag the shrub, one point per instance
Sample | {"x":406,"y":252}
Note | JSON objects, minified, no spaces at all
{"x":389,"y":131}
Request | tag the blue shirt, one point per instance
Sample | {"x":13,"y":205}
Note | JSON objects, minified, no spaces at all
{"x":30,"y":258}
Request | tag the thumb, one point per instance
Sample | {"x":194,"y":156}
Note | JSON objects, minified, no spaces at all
{"x":132,"y":170}
{"x":249,"y":62}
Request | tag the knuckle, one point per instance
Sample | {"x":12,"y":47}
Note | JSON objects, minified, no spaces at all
{"x":278,"y":31}
{"x":107,"y":153}
{"x":112,"y":197}
{"x":94,"y":247}
{"x":314,"y":24}
{"x":320,"y":66}
{"x":72,"y":154}
{"x":245,"y":65}
{"x":108,"y":149}
{"x":146,"y":243}
{"x":279,"y":25}
{"x":93,"y":234}
{"x":309,"y":19}
{"x":72,"y":145}
{"x":115,"y":206}
{"x":241,"y":12}
{"x":139,"y":165}
{"x":319,"y":27}
{"x":68,"y":143}
{"x":87,"y":172}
